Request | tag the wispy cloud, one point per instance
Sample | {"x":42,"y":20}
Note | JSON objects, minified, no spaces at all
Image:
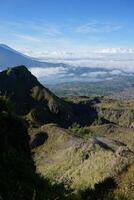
{"x":35,"y":26}
{"x":33,"y":34}
{"x":40,"y":35}
{"x":28,"y":38}
{"x":51,"y":30}
{"x":98,"y":27}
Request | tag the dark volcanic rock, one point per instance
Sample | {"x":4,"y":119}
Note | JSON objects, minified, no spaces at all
{"x":38,"y":139}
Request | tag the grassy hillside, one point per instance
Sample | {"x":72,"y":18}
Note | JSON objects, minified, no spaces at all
{"x":31,"y":99}
{"x":81,"y":163}
{"x":91,"y":158}
{"x":18,"y":179}
{"x":104,"y":110}
{"x":116,"y":111}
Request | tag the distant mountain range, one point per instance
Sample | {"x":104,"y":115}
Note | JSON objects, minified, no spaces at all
{"x":10,"y":57}
{"x":57,"y":73}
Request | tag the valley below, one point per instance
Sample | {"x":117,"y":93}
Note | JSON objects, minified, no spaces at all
{"x":72,"y":145}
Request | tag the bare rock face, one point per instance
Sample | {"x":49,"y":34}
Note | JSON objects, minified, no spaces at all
{"x":115,"y":146}
{"x":121,"y":151}
{"x":132,"y":125}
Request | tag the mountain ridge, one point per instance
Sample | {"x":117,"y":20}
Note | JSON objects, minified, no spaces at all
{"x":10,"y":57}
{"x":57,"y":72}
{"x":85,"y":157}
{"x":34,"y":100}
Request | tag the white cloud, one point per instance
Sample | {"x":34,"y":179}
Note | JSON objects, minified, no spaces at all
{"x":97,"y":27}
{"x":79,"y":54}
{"x":46,"y":72}
{"x":122,"y":58}
{"x":39,"y":27}
{"x":115,"y":72}
{"x":117,"y":50}
{"x":28,"y":38}
{"x":94,"y":74}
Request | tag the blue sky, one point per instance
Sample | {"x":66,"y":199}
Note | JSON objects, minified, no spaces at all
{"x":67,"y":25}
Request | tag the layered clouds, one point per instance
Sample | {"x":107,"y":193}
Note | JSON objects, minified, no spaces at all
{"x":89,"y":49}
{"x":109,"y":58}
{"x":93,"y":65}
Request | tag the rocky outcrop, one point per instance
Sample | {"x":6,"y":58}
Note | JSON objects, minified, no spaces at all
{"x":115,"y":146}
{"x":38,"y":139}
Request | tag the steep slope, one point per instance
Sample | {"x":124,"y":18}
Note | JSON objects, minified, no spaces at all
{"x":31,"y":98}
{"x":120,"y":112}
{"x":18,"y":179}
{"x":105,"y":110}
{"x":78,"y":164}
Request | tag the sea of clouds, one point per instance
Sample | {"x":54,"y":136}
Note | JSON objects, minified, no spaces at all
{"x":115,"y":61}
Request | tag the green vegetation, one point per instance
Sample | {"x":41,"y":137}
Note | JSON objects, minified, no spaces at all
{"x":18,"y":179}
{"x":31,"y":99}
{"x":121,"y":87}
{"x":63,"y":149}
{"x":68,"y":164}
{"x":118,"y":112}
{"x":126,"y":186}
{"x":76,"y":162}
{"x":79,"y":130}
